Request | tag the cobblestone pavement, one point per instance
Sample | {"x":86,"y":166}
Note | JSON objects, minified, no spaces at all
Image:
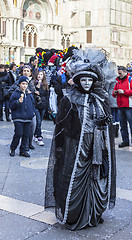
{"x":22,"y":182}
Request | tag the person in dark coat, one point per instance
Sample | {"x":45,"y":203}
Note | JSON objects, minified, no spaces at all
{"x":27,"y":71}
{"x":33,"y":63}
{"x":4,"y":82}
{"x":22,"y":110}
{"x":12,"y":73}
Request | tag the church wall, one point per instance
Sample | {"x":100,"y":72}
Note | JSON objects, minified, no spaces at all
{"x":101,"y":23}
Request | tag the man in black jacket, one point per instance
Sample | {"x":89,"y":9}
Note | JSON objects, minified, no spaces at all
{"x":4,"y":81}
{"x":12,"y":73}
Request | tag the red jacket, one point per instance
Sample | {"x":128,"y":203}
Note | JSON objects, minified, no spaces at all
{"x":123,"y":100}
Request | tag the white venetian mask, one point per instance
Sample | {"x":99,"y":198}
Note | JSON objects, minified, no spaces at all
{"x":86,"y":83}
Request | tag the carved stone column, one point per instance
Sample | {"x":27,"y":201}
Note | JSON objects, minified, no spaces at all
{"x":55,"y":35}
{"x":51,"y":32}
{"x":7,"y":27}
{"x":15,"y":29}
{"x":11,"y":29}
{"x":59,"y":35}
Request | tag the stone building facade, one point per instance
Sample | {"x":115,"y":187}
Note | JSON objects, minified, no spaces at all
{"x":27,"y":24}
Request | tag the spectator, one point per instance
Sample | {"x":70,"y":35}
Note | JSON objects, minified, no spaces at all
{"x":7,"y":68}
{"x":41,"y":104}
{"x":123,"y":92}
{"x":4,"y":82}
{"x":34,"y":65}
{"x":12,"y":73}
{"x":19,"y":69}
{"x":27,"y":71}
{"x":22,"y":110}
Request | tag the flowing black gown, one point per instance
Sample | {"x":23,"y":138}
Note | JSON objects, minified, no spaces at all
{"x":81,"y":176}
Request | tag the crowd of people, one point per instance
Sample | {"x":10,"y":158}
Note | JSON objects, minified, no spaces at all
{"x":48,"y":84}
{"x":88,"y":98}
{"x":43,"y":85}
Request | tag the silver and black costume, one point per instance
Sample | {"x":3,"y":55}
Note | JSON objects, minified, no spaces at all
{"x":81,"y":177}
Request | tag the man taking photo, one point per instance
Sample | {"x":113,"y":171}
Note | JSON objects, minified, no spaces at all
{"x":123,"y":92}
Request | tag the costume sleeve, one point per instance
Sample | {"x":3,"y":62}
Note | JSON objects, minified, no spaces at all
{"x":63,"y":111}
{"x":67,"y":122}
{"x":59,"y":86}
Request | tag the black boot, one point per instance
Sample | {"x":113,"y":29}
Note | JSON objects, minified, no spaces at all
{"x":7,"y":115}
{"x":1,"y":114}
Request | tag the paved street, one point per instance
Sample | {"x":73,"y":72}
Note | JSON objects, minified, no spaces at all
{"x":22,"y":182}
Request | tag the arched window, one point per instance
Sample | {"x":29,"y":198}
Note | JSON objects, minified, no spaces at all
{"x":24,"y":38}
{"x":29,"y":40}
{"x":35,"y":40}
{"x":30,"y":36}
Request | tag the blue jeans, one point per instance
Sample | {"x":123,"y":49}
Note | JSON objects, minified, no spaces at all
{"x":125,"y":115}
{"x":39,"y":117}
{"x":114,"y":112}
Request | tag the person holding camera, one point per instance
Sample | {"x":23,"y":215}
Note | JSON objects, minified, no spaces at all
{"x":41,"y":104}
{"x":123,"y":93}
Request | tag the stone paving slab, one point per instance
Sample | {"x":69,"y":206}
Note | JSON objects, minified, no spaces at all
{"x":46,"y":217}
{"x":22,"y":208}
{"x":15,"y":227}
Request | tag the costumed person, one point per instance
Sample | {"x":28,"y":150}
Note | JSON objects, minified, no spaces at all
{"x":81,"y":175}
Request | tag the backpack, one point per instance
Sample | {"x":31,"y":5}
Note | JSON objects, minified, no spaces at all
{"x":130,"y":97}
{"x":130,"y":77}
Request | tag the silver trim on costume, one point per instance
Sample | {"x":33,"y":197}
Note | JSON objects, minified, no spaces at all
{"x":75,"y":165}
